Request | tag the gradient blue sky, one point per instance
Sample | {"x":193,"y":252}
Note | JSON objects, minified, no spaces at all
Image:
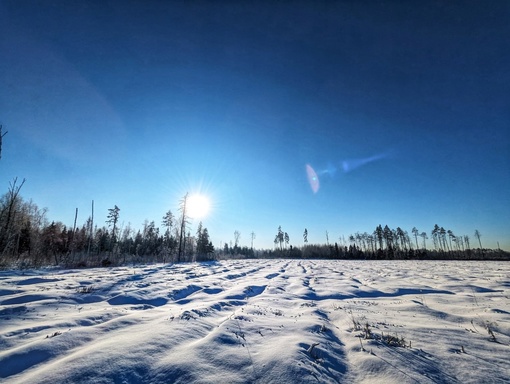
{"x":135,"y":103}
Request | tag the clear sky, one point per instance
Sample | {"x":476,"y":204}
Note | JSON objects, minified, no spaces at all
{"x":402,"y":109}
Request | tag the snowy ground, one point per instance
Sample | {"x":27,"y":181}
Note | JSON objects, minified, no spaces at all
{"x":260,"y":321}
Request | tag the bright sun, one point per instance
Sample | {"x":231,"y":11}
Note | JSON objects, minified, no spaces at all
{"x":197,"y":206}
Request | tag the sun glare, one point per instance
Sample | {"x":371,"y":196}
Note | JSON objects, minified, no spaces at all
{"x":197,"y":206}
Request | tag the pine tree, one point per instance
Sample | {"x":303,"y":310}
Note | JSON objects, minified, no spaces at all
{"x":424,"y":237}
{"x":466,"y":240}
{"x":478,"y":235}
{"x":415,"y":233}
{"x":379,"y":235}
{"x":280,"y":237}
{"x":204,"y":246}
{"x":436,"y":237}
{"x":388,"y":237}
{"x":168,"y":222}
{"x":113,"y":218}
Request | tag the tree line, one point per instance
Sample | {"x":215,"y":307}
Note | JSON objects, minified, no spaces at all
{"x":29,"y":239}
{"x":387,"y":243}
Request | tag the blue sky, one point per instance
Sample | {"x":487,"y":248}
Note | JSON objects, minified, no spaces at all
{"x":135,"y":103}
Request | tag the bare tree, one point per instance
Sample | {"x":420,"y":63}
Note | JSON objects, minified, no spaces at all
{"x":1,"y":137}
{"x":90,"y":227}
{"x":237,"y":236}
{"x":8,"y":213}
{"x":72,"y":244}
{"x":184,"y":223}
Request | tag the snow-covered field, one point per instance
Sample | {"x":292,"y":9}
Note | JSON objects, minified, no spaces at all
{"x":258,"y":321}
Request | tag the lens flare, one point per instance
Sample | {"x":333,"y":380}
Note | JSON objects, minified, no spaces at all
{"x":313,"y":179}
{"x":345,"y":166}
{"x":350,"y":165}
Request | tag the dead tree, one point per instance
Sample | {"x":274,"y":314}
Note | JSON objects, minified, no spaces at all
{"x":184,"y":223}
{"x":1,"y":136}
{"x":9,"y":212}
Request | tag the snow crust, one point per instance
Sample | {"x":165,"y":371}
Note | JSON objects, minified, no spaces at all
{"x":258,"y":321}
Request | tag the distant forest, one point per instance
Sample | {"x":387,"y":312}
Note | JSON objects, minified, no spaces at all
{"x":29,"y":239}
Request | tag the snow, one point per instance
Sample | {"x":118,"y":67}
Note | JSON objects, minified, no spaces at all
{"x":258,"y":321}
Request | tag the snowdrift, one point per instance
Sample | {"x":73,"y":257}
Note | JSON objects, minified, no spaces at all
{"x":258,"y":321}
